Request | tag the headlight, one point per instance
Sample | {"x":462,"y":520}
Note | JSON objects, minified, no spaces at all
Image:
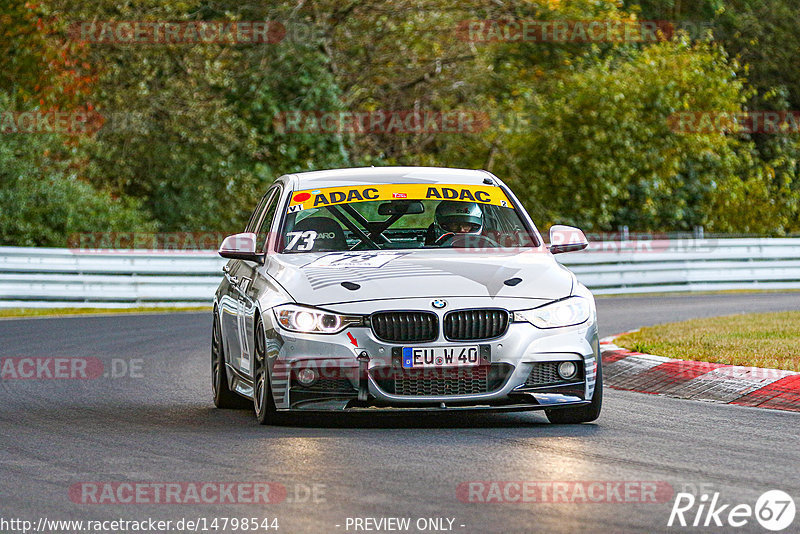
{"x":568,"y":312}
{"x":312,"y":320}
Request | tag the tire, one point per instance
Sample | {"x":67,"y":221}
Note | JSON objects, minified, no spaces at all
{"x":583,"y":414}
{"x":263,"y":402}
{"x":223,"y":397}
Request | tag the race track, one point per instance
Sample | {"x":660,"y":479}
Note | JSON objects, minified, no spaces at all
{"x":159,"y":425}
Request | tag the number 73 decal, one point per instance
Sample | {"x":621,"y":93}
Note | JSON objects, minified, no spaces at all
{"x":302,"y":240}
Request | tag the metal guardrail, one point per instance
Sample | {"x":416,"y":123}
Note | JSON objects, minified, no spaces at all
{"x":669,"y":265}
{"x":51,"y":277}
{"x":54,"y":277}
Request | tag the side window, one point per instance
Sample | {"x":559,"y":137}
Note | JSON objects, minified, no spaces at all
{"x":256,"y":216}
{"x":265,"y":222}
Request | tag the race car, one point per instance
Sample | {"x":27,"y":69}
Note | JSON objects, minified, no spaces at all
{"x":402,"y":288}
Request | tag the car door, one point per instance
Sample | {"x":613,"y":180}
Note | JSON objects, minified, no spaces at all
{"x":229,"y":311}
{"x":230,"y":301}
{"x":248,"y":283}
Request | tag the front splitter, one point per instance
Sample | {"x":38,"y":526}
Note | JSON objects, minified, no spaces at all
{"x":345,"y":405}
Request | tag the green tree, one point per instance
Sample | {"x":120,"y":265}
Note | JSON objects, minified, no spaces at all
{"x":43,"y":195}
{"x":191,"y":132}
{"x":44,"y":203}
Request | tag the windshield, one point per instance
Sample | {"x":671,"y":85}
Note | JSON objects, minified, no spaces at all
{"x":401,"y":217}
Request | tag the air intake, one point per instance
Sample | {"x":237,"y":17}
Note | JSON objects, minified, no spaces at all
{"x":475,"y":325}
{"x":405,"y":327}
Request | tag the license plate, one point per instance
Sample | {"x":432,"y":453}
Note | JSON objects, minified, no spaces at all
{"x":455,"y":356}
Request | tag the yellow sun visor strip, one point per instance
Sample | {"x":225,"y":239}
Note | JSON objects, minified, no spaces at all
{"x":330,"y":196}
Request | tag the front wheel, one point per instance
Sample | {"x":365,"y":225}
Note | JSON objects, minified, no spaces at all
{"x":582,"y":414}
{"x":263,"y":402}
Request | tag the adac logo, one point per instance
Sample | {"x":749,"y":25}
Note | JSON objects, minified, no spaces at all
{"x":439,"y":304}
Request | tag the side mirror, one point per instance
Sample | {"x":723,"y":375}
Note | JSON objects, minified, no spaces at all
{"x":241,"y":247}
{"x":566,"y":239}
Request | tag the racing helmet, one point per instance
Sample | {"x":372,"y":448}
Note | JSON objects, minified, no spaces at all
{"x":458,"y":217}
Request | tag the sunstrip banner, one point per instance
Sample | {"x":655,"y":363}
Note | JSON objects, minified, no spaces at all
{"x":317,"y":198}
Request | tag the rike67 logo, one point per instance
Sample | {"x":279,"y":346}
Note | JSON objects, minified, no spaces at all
{"x":774,"y":511}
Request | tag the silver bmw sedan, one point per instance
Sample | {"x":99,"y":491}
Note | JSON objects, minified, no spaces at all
{"x":402,"y":288}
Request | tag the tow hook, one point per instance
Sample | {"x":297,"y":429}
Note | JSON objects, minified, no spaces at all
{"x":363,"y":382}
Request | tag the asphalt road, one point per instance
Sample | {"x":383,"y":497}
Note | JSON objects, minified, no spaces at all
{"x":157,"y":424}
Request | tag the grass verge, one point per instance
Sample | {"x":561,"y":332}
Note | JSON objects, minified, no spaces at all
{"x":770,"y":340}
{"x":59,"y":312}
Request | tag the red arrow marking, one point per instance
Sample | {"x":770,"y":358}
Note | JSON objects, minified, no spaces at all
{"x":352,"y":339}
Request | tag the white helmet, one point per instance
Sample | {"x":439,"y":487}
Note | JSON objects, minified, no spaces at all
{"x":459,"y":217}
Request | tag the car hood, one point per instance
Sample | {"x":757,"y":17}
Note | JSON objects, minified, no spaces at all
{"x":316,"y":278}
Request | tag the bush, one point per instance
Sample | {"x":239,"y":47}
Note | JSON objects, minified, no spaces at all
{"x":42,"y":204}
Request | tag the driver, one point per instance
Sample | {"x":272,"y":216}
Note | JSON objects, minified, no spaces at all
{"x":459,"y":218}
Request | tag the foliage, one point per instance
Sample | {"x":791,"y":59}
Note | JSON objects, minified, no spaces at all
{"x":43,"y":204}
{"x":580,"y":130}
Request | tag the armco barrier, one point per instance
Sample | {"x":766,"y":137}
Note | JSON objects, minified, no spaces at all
{"x":50,"y":277}
{"x":669,"y":265}
{"x":54,"y":277}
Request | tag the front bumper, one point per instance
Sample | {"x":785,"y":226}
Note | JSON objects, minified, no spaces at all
{"x":508,"y":360}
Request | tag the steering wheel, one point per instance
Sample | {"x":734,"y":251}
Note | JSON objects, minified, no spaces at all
{"x":444,"y":237}
{"x":478,"y":241}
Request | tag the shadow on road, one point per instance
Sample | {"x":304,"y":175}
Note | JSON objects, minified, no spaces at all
{"x":463,"y":420}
